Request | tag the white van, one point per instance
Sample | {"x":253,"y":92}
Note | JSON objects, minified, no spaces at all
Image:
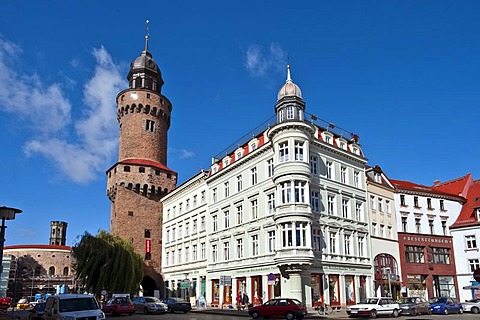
{"x":73,"y":306}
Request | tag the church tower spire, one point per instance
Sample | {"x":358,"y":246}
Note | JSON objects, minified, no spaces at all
{"x":141,"y":176}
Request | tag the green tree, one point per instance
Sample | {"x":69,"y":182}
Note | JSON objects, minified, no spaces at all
{"x":107,"y":262}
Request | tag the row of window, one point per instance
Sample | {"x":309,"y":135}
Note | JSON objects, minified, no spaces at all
{"x":292,"y":235}
{"x":190,"y":203}
{"x":419,"y":254}
{"x":416,"y":203}
{"x":177,"y":232}
{"x":418,"y":225}
{"x":380,"y":204}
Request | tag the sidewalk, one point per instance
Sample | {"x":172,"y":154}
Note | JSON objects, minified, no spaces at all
{"x":312,"y":314}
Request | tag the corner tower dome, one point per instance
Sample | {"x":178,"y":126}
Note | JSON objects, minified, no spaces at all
{"x":289,"y":89}
{"x":144,"y":72}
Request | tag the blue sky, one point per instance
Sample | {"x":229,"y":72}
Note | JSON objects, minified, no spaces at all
{"x":403,"y":75}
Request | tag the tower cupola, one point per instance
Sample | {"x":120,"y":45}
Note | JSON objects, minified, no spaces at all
{"x":290,"y":105}
{"x":289,"y":88}
{"x":144,"y":72}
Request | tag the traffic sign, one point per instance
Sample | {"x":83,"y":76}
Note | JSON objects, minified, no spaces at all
{"x":476,"y":274}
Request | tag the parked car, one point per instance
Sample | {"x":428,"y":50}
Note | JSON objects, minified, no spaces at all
{"x":22,"y":304}
{"x":149,"y":305}
{"x":119,"y":305}
{"x":37,"y":312}
{"x":279,"y":307}
{"x":373,"y":307}
{"x":445,"y":305}
{"x":414,"y":306}
{"x":472,"y":306}
{"x":177,"y":304}
{"x":72,"y":307}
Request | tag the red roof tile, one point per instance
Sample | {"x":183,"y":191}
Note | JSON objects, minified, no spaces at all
{"x":467,"y":216}
{"x":407,"y":185}
{"x":457,"y":186}
{"x":144,"y":162}
{"x":37,"y":246}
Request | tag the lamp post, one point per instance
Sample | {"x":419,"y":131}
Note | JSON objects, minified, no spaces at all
{"x":6,"y":213}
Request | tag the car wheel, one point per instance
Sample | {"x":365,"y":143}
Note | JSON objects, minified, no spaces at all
{"x":255,"y":315}
{"x":460,"y":310}
{"x":445,"y":311}
{"x":289,"y":316}
{"x":185,"y":311}
{"x":429,"y":311}
{"x":475,"y":310}
{"x":413,"y":312}
{"x":145,"y":310}
{"x":373,"y":314}
{"x":395,"y":313}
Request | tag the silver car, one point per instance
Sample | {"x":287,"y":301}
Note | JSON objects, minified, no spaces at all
{"x":472,"y":306}
{"x":149,"y":305}
{"x":414,"y":306}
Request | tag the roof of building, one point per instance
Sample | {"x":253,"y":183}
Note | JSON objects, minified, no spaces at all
{"x":457,"y":186}
{"x":468,"y":215}
{"x":415,"y":187}
{"x":289,"y":89}
{"x":144,"y":162}
{"x":37,"y":247}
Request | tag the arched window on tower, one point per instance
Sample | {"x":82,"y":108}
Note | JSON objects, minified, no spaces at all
{"x":141,"y":170}
{"x":51,"y":271}
{"x":145,"y":189}
{"x":65,"y":271}
{"x":147,"y":233}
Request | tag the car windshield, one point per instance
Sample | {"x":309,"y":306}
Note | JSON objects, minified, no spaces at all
{"x":152,"y":299}
{"x":370,"y":301}
{"x":437,"y":300}
{"x":78,"y":304}
{"x":407,"y":300}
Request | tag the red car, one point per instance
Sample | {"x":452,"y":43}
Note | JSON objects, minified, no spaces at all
{"x":118,"y":305}
{"x":279,"y":307}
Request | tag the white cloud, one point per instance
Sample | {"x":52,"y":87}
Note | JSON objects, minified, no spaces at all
{"x":259,"y":62}
{"x":94,"y":147}
{"x":28,"y":97}
{"x":185,"y":154}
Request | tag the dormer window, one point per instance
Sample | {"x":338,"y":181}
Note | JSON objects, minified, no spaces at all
{"x":377,"y":177}
{"x":226,"y":162}
{"x":342,"y":144}
{"x":253,"y":145}
{"x":238,"y":154}
{"x":215,"y":168}
{"x":327,"y":137}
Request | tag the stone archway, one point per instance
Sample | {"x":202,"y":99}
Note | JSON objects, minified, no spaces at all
{"x":149,"y":286}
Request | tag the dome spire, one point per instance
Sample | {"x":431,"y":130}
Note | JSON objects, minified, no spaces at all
{"x":289,"y":78}
{"x":289,"y":89}
{"x":147,"y":34}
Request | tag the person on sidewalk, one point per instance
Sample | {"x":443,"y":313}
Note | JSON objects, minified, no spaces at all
{"x":245,"y":300}
{"x":239,"y":301}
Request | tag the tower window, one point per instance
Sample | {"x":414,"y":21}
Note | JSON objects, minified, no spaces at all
{"x":126,"y":168}
{"x":157,"y":172}
{"x":130,"y":213}
{"x":149,"y":125}
{"x":148,"y":95}
{"x":147,"y":233}
{"x":141,"y":170}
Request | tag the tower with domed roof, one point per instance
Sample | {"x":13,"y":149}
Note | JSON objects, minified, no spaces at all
{"x":141,"y":176}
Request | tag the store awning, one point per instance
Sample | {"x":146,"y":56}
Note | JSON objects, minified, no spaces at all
{"x":475,"y":287}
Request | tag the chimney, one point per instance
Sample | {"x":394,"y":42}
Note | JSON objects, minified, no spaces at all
{"x":436,"y":182}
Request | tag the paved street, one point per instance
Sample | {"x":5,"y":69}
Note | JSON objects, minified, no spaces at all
{"x":214,"y":314}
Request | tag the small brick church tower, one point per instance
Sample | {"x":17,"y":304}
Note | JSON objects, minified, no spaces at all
{"x":141,"y":177}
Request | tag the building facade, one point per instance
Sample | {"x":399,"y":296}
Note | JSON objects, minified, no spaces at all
{"x":285,"y":214}
{"x":466,"y":236}
{"x":141,"y":177}
{"x":383,"y":233}
{"x":424,"y":217}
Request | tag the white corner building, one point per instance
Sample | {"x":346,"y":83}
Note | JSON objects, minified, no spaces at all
{"x":283,"y":214}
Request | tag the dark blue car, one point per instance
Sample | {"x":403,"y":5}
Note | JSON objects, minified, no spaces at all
{"x":445,"y":305}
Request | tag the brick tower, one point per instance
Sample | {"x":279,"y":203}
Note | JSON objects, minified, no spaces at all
{"x":141,"y":177}
{"x":58,"y":233}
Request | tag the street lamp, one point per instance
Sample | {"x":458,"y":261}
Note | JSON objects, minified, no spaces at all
{"x":6,"y":213}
